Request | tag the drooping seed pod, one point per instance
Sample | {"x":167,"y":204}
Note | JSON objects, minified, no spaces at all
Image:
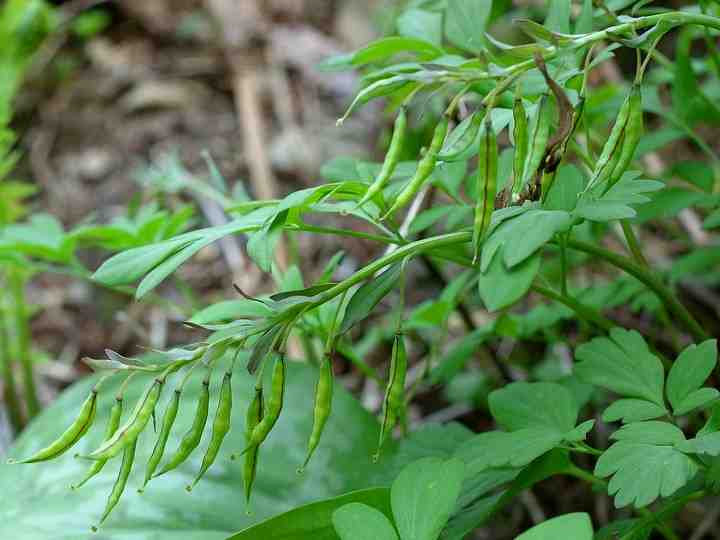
{"x":520,"y":136}
{"x":121,"y":481}
{"x":71,"y":435}
{"x":139,"y":418}
{"x":486,"y":185}
{"x":112,"y":426}
{"x":192,"y":436}
{"x":391,"y":158}
{"x":425,"y":167}
{"x":221,"y":426}
{"x":323,"y":406}
{"x":254,"y":416}
{"x":394,"y":400}
{"x":159,"y":448}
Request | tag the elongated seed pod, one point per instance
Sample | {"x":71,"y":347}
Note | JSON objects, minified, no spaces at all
{"x":112,"y":426}
{"x":391,"y":158}
{"x":121,"y":481}
{"x":192,"y":436}
{"x":255,"y":413}
{"x":133,"y":426}
{"x":323,"y":406}
{"x":394,"y":399}
{"x":221,"y":426}
{"x":486,"y":185}
{"x":456,"y":147}
{"x":520,"y":134}
{"x":632,"y":134}
{"x":424,"y":169}
{"x":610,"y":156}
{"x":71,"y":435}
{"x":538,"y":140}
{"x":274,"y":406}
{"x":159,"y":448}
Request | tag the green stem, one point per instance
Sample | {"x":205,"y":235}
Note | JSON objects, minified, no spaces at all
{"x":10,"y":394}
{"x":22,"y":328}
{"x":633,"y":244}
{"x":585,"y":312}
{"x":649,"y":280}
{"x":563,"y":265}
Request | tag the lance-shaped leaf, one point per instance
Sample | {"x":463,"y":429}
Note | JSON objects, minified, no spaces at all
{"x":368,"y":296}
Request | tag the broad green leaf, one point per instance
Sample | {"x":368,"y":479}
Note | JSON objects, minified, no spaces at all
{"x":558,"y":17}
{"x":633,"y":410}
{"x":500,"y":287}
{"x":523,"y":405}
{"x":642,"y":472}
{"x":522,"y":235}
{"x":651,"y":432}
{"x":622,"y":363}
{"x":701,"y":398}
{"x":668,"y":203}
{"x":316,"y":520}
{"x":579,"y":433}
{"x":690,"y":371}
{"x":495,"y":449}
{"x":465,"y":23}
{"x":365,"y":299}
{"x":421,"y":24}
{"x":577,"y":526}
{"x":618,"y":201}
{"x":565,"y":190}
{"x":423,"y":497}
{"x":708,"y":444}
{"x":358,"y":521}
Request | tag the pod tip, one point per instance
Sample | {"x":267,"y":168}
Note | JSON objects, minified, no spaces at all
{"x":300,"y":470}
{"x":94,"y":528}
{"x":376,"y":457}
{"x":188,"y":488}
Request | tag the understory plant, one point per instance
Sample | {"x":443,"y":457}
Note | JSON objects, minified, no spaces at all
{"x":514,"y":176}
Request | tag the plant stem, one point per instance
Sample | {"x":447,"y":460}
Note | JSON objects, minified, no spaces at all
{"x":10,"y":394}
{"x":587,"y":313}
{"x":633,"y":244}
{"x":650,"y":281}
{"x":22,"y":329}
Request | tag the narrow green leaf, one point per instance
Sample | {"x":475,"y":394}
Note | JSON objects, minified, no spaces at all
{"x":622,"y":363}
{"x":365,"y":299}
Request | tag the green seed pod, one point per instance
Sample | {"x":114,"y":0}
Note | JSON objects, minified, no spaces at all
{"x":394,"y":401}
{"x":159,"y":448}
{"x":323,"y":405}
{"x":391,"y":158}
{"x":610,"y":154}
{"x":112,"y":426}
{"x":133,"y":426}
{"x":221,"y":426}
{"x":459,"y":143}
{"x":520,"y":134}
{"x":486,"y":185}
{"x":538,"y":140}
{"x":121,"y":481}
{"x":424,"y":169}
{"x":274,"y":407}
{"x":71,"y":435}
{"x":254,"y":416}
{"x":632,"y":134}
{"x":192,"y":436}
